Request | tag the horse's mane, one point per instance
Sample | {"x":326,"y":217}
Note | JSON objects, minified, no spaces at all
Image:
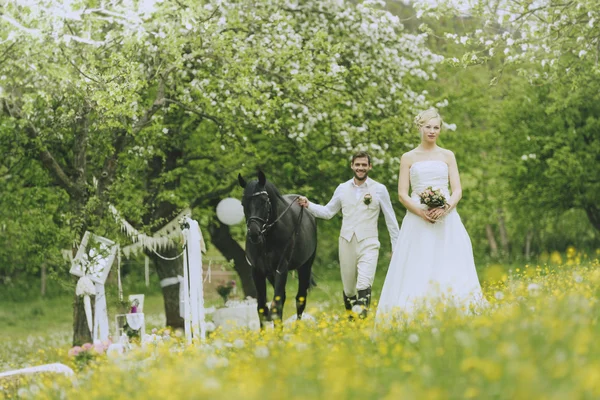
{"x":270,"y":188}
{"x":273,"y":191}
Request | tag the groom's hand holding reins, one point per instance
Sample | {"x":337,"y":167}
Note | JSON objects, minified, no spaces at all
{"x":303,"y":201}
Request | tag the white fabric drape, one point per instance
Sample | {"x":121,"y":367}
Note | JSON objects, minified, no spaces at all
{"x":55,"y":368}
{"x":101,"y":329}
{"x":135,"y":321}
{"x":195,"y":326}
{"x":97,"y":320}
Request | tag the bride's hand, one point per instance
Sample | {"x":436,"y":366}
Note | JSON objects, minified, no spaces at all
{"x":437,"y":213}
{"x":425,"y":215}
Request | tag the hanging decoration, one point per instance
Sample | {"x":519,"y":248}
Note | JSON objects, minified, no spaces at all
{"x":95,"y":256}
{"x":230,"y":211}
{"x":193,"y":293}
{"x":92,"y":264}
{"x":166,"y":237}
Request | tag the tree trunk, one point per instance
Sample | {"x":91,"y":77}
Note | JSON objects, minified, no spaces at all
{"x":528,"y":240}
{"x":81,"y":331}
{"x":43,"y":279}
{"x":491,"y":240}
{"x":231,"y":250}
{"x":503,"y":234}
{"x":593,"y":214}
{"x":170,"y":269}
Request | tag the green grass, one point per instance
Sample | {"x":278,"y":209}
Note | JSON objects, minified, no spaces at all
{"x":33,"y":314}
{"x":534,"y":339}
{"x":28,"y":320}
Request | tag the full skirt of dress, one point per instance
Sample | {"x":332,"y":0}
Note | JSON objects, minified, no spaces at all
{"x":430,"y":263}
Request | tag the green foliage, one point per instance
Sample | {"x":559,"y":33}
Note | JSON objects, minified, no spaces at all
{"x":555,"y":146}
{"x":153,"y":110}
{"x":147,"y":108}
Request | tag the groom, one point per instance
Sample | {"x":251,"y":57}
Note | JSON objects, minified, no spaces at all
{"x":360,"y":200}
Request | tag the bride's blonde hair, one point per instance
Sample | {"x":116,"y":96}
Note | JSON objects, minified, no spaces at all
{"x":424,"y":116}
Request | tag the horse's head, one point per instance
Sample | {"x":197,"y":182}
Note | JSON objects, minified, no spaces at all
{"x":257,"y":207}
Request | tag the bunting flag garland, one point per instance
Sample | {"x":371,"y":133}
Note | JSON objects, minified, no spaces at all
{"x":164,"y":238}
{"x":191,"y":284}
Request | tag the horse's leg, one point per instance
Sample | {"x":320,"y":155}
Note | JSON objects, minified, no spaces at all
{"x":304,"y":274}
{"x":271,"y":279}
{"x":279,"y":298}
{"x":261,"y":295}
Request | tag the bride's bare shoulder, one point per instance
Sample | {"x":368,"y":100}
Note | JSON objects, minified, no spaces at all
{"x":446,"y":154}
{"x":408,"y":157}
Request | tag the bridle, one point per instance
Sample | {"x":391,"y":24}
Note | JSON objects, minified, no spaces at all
{"x":260,"y":221}
{"x":265,"y":226}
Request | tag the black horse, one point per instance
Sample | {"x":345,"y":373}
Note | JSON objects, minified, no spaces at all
{"x":281,"y":237}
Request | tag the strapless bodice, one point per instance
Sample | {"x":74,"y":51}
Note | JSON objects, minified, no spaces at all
{"x":432,"y":173}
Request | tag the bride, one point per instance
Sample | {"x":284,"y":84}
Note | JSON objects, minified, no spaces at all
{"x":433,"y":257}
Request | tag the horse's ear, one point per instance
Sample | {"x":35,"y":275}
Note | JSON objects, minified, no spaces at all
{"x":241,"y":181}
{"x":262,"y":179}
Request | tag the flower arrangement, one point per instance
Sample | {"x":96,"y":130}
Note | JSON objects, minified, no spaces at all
{"x":225,"y":289}
{"x":433,"y":198}
{"x":87,"y":352}
{"x":183,"y":223}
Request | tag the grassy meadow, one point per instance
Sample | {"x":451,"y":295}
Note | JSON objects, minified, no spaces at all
{"x":536,"y":339}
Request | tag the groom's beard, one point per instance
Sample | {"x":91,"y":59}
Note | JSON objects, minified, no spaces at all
{"x":364,"y":177}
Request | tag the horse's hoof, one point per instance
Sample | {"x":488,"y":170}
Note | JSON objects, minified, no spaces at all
{"x":267,"y":325}
{"x":305,"y":318}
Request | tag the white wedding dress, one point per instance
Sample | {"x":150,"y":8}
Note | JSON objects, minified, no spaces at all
{"x":430,"y":262}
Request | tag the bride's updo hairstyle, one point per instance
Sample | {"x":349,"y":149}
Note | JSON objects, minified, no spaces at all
{"x":424,"y":116}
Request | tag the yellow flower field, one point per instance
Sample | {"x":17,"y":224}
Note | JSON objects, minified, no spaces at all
{"x":538,"y":339}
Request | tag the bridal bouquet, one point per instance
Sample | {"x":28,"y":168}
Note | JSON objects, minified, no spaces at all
{"x":432,"y":198}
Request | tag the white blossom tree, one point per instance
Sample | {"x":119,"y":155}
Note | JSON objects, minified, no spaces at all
{"x":124,"y":102}
{"x":547,"y":40}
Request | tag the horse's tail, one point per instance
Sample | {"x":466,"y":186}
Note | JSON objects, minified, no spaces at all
{"x":313,"y":282}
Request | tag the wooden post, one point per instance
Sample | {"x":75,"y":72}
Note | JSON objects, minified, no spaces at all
{"x":503,"y":234}
{"x":43,"y":277}
{"x":528,"y":240}
{"x":491,"y":240}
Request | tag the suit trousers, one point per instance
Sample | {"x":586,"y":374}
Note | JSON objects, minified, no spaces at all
{"x":358,"y":263}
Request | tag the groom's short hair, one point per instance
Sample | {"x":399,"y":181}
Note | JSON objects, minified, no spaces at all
{"x":361,"y":154}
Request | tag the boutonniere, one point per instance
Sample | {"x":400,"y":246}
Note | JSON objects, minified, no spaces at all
{"x":367,"y":199}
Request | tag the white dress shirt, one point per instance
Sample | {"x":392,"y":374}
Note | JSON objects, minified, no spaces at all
{"x":364,"y":217}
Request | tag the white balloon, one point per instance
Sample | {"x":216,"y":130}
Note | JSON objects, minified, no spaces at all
{"x":230,"y":211}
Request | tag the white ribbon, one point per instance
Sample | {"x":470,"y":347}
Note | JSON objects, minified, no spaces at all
{"x":173,"y":280}
{"x":98,"y":321}
{"x":147,"y":271}
{"x":85,"y":287}
{"x":101,"y":330}
{"x":194,"y":322}
{"x":119,"y":284}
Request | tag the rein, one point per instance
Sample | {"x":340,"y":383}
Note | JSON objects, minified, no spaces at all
{"x":292,"y":241}
{"x":266,"y":226}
